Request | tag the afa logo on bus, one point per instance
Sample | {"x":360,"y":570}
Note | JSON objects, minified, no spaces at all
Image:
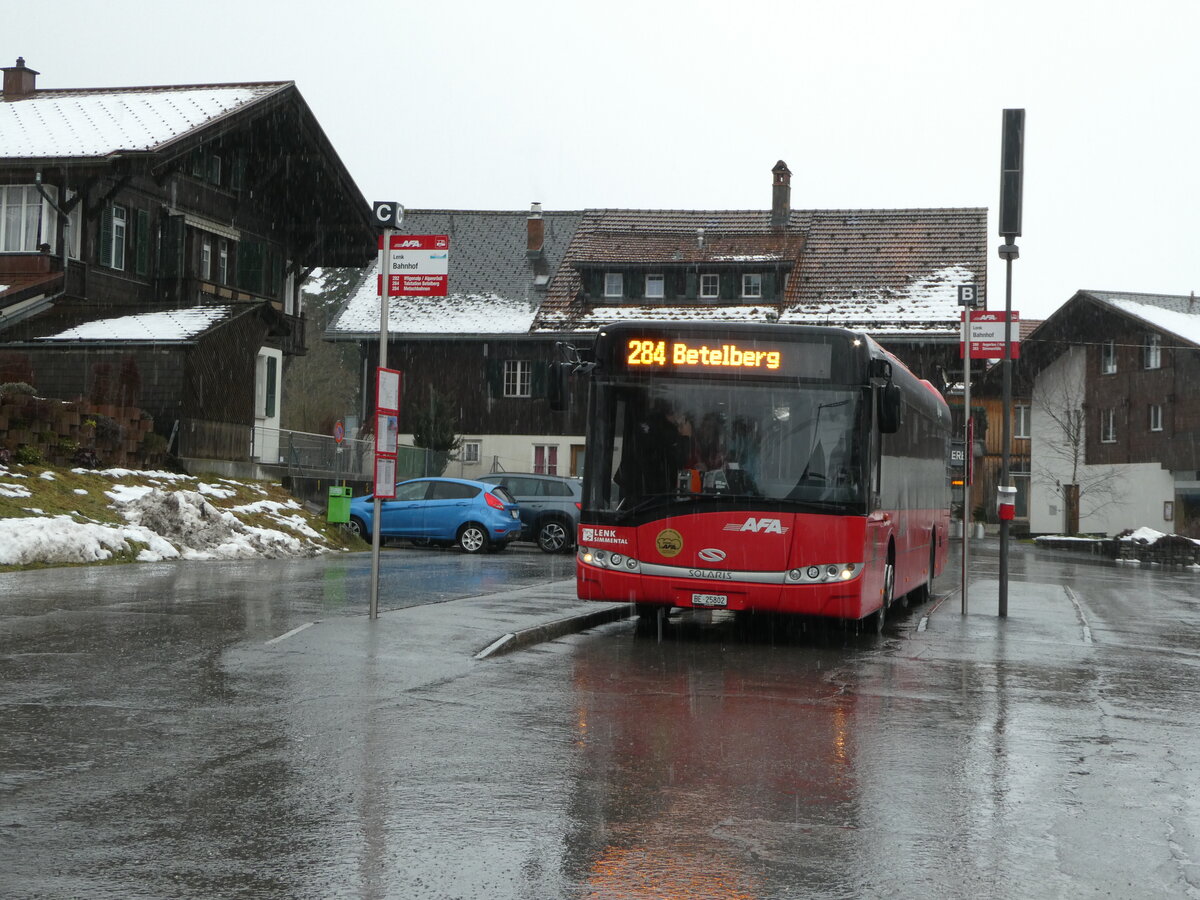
{"x":758,"y":526}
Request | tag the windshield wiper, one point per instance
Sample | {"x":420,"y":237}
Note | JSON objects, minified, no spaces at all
{"x":651,"y":500}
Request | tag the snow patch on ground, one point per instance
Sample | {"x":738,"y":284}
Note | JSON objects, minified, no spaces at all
{"x":61,"y":539}
{"x":201,"y":531}
{"x":127,"y":493}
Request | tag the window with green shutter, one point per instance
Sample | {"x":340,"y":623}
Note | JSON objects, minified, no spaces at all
{"x":141,"y":239}
{"x":237,"y":171}
{"x":113,"y":233}
{"x":250,"y":260}
{"x":170,"y":248}
{"x":272,"y":377}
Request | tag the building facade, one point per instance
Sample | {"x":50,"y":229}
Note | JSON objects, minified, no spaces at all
{"x":891,"y":273}
{"x":152,"y":241}
{"x":1115,"y":424}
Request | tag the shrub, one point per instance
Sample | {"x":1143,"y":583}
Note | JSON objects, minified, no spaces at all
{"x":17,"y":387}
{"x":27,"y":456}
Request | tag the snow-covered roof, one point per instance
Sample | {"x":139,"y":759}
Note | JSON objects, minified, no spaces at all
{"x":457,"y":313}
{"x":153,"y":327}
{"x":603,"y":315}
{"x":99,"y":122}
{"x":495,"y":284}
{"x":928,"y":304}
{"x":887,"y":272}
{"x":1178,"y":315}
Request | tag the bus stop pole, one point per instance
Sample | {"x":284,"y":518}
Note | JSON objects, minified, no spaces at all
{"x":377,"y":505}
{"x":968,"y":456}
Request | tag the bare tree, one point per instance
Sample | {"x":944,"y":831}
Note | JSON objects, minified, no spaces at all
{"x":1061,"y":461}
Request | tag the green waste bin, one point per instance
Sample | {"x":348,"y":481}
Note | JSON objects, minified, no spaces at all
{"x":339,"y":505}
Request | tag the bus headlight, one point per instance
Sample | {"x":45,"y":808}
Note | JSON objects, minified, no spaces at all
{"x":604,"y":559}
{"x":824,"y":574}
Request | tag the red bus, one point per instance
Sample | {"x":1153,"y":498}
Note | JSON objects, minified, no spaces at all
{"x":787,"y":469}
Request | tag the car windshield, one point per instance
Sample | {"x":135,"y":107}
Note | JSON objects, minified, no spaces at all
{"x":669,"y":441}
{"x":500,"y":492}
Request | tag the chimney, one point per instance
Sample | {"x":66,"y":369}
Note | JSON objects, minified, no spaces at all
{"x":19,"y":81}
{"x":535,"y":232}
{"x":781,"y":194}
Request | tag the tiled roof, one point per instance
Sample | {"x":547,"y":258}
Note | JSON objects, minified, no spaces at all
{"x":890,"y":272}
{"x":1176,"y":314}
{"x":84,"y":123}
{"x":494,"y":286}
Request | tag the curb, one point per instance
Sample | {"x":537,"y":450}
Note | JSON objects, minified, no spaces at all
{"x":518,"y":640}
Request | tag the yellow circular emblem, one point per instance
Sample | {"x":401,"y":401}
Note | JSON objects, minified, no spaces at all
{"x":669,"y":542}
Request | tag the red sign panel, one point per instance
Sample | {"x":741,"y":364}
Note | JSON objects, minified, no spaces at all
{"x":988,"y":334}
{"x":416,"y":265}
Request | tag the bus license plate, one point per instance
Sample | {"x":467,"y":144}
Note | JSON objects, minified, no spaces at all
{"x":710,"y":600}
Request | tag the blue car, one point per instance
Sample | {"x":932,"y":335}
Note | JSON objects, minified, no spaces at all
{"x":441,"y":512}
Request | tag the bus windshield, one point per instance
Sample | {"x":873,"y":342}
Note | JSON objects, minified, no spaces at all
{"x":663,"y":441}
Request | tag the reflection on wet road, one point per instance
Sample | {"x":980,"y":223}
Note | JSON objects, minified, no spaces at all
{"x":159,"y":741}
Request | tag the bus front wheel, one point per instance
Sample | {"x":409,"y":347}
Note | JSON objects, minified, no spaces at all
{"x":889,"y":584}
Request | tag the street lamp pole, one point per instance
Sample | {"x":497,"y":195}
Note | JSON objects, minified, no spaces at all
{"x":1008,"y":252}
{"x":1012,"y":163}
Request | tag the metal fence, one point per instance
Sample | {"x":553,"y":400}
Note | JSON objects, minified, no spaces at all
{"x":303,"y":454}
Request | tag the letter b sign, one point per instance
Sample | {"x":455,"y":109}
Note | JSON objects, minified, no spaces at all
{"x":387,"y":214}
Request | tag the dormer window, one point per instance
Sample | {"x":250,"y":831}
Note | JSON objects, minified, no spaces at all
{"x":614,"y":284}
{"x":655,"y":288}
{"x":710,"y":286}
{"x":751,"y":285}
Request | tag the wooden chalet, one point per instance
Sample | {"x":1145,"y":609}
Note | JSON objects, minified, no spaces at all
{"x":152,"y":244}
{"x":1115,"y":425}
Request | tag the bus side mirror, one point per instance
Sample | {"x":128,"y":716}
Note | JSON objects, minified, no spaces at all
{"x":556,"y":387}
{"x":889,"y":408}
{"x":880,"y":368}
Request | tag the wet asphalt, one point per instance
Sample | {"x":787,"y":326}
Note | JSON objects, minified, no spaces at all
{"x":243,"y":730}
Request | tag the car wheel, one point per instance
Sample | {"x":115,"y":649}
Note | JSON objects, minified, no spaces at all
{"x":552,"y":536}
{"x":358,"y":527}
{"x":472,"y":538}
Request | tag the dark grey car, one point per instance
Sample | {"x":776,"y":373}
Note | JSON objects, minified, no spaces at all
{"x":549,"y":507}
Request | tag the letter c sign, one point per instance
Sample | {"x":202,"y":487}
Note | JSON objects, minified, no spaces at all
{"x":387,"y":214}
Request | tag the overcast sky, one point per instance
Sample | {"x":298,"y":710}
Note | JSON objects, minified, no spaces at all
{"x":688,"y":105}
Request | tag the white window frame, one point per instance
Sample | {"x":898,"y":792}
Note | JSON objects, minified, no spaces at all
{"x":471,"y":451}
{"x":1108,"y":426}
{"x":1021,"y":421}
{"x":1152,"y":351}
{"x":518,"y":377}
{"x":752,"y":286}
{"x":549,"y":463}
{"x":1108,"y":358}
{"x":1156,"y":417}
{"x":656,"y":287}
{"x":120,"y":231}
{"x":715,"y":280}
{"x":34,"y":221}
{"x":206,"y":258}
{"x":614,"y":284}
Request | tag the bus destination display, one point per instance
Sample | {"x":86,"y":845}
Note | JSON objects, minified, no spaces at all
{"x":718,"y":357}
